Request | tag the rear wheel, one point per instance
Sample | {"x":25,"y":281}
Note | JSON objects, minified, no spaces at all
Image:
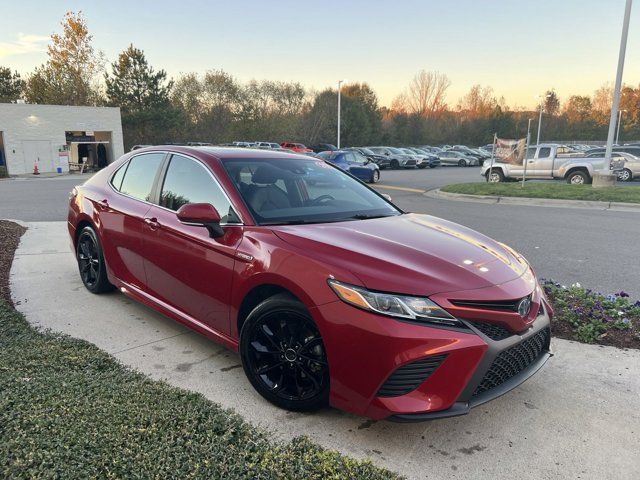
{"x":495,"y":176}
{"x":283,"y":355}
{"x":91,"y":264}
{"x":395,"y":164}
{"x":375,"y":177}
{"x":625,"y":175}
{"x":578,"y":178}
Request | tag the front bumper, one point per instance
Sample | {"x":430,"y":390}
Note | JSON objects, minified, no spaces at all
{"x":365,"y":349}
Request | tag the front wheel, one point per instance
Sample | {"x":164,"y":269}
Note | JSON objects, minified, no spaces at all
{"x":93,"y":271}
{"x":495,"y":176}
{"x":395,"y":164}
{"x":375,"y":177}
{"x":625,"y":175}
{"x":283,"y":355}
{"x":422,"y":165}
{"x":462,"y":163}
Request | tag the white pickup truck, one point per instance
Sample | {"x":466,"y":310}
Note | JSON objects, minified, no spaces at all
{"x":549,"y":161}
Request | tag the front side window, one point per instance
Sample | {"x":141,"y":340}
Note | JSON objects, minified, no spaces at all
{"x":140,"y":175}
{"x":188,"y":181}
{"x":544,"y":152}
{"x":285,"y":191}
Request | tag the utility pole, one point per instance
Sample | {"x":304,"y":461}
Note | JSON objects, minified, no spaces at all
{"x":619,"y":123}
{"x":606,"y":171}
{"x":339,"y":90}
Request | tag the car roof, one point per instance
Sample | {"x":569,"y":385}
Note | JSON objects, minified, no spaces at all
{"x":222,"y":153}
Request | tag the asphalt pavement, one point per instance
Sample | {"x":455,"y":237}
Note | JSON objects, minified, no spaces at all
{"x":597,"y":248}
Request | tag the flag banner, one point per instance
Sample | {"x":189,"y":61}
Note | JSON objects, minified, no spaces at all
{"x":510,"y":151}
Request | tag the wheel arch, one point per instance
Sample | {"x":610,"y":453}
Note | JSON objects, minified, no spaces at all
{"x":578,"y":168}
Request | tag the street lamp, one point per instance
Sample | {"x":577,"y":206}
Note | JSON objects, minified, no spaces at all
{"x":619,"y":123}
{"x":548,"y":95}
{"x":340,"y":82}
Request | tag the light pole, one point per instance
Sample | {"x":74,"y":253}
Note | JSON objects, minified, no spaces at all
{"x":540,"y":118}
{"x":606,"y":170}
{"x":340,"y":82}
{"x":619,"y":123}
{"x":526,"y":150}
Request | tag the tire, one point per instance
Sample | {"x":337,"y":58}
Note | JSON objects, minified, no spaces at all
{"x":375,"y":177}
{"x":395,"y":165}
{"x":432,"y":166}
{"x":462,"y":163}
{"x":91,"y":265}
{"x":496,"y":176}
{"x":578,"y":177}
{"x":293,"y":375}
{"x":625,"y":175}
{"x":422,"y":166}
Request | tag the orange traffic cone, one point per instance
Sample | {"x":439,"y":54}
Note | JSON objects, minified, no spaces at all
{"x":35,"y":169}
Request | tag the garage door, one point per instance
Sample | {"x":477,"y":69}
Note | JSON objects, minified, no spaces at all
{"x":37,"y":151}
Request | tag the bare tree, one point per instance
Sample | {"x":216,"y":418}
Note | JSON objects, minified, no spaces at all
{"x":425,"y":95}
{"x":478,"y":102}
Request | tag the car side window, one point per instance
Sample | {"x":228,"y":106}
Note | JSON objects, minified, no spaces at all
{"x":140,"y":175}
{"x":188,"y":181}
{"x":116,"y":180}
{"x":544,"y":152}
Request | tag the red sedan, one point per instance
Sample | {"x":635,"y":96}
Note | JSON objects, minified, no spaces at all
{"x":296,"y":147}
{"x":330,"y":293}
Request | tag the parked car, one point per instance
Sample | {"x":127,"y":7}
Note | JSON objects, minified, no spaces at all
{"x":549,"y":161}
{"x":353,"y":162}
{"x":633,"y":150}
{"x":397,"y":159}
{"x":296,"y":147}
{"x":428,"y":159}
{"x":268,"y":145}
{"x":324,"y":147}
{"x":381,"y":160}
{"x":421,"y":159}
{"x":330,"y":293}
{"x":451,"y":157}
{"x":630,"y":168}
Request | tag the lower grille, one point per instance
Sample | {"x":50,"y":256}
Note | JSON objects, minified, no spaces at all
{"x":409,"y":377}
{"x":494,"y":332}
{"x":514,"y":360}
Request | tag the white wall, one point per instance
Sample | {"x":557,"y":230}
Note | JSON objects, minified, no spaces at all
{"x":48,"y":123}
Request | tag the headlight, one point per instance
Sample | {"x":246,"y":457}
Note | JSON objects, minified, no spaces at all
{"x":419,"y":309}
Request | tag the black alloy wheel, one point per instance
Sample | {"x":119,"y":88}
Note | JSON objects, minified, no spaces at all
{"x":91,"y":262}
{"x":283,"y":355}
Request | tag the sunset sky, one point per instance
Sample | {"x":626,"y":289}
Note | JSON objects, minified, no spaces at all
{"x":520,"y":48}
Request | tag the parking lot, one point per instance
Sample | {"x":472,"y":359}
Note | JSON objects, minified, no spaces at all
{"x":566,"y":244}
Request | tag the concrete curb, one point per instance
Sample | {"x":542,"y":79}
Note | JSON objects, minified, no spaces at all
{"x":534,"y":202}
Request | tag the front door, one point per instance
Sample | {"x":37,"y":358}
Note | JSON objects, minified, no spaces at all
{"x":37,"y":152}
{"x":185,"y":267}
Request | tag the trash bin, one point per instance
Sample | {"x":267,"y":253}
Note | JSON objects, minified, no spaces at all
{"x":59,"y":169}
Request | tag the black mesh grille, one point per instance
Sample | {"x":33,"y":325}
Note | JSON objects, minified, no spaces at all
{"x":408,"y":377}
{"x":494,"y":332}
{"x":514,"y":360}
{"x":506,"y":305}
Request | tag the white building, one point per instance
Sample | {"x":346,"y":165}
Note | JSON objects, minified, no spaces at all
{"x":58,"y":138}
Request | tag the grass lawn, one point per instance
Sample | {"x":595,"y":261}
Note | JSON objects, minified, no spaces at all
{"x":69,"y":410}
{"x":554,"y":190}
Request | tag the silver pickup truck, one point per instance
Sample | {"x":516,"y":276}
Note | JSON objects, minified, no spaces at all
{"x":549,"y":161}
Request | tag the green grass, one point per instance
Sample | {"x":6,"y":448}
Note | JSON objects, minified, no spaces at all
{"x":554,"y":190}
{"x":69,"y":410}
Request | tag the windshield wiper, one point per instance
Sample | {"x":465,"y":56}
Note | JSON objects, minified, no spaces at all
{"x":364,"y":216}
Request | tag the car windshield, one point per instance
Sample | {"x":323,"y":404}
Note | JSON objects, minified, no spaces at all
{"x":366,"y":151}
{"x":395,"y":150}
{"x":295,"y":191}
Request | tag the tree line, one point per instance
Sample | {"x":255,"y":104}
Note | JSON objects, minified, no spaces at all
{"x":215,"y":107}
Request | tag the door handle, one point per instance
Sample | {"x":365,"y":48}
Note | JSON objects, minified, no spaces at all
{"x":103,"y":204}
{"x":152,"y":223}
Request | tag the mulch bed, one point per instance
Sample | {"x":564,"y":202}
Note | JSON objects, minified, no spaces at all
{"x":10,"y":234}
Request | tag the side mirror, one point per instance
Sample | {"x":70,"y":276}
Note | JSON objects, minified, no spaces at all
{"x":201,"y":215}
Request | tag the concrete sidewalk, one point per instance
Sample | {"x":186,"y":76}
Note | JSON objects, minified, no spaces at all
{"x":578,"y":418}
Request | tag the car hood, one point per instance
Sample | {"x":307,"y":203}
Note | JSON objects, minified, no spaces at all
{"x":410,"y":253}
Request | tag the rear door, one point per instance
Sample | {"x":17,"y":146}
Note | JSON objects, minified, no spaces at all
{"x":122,"y":215}
{"x":185,"y":267}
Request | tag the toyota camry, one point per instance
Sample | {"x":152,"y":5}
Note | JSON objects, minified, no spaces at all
{"x":331,"y":294}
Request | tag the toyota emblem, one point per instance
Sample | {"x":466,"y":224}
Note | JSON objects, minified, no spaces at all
{"x":524,"y":306}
